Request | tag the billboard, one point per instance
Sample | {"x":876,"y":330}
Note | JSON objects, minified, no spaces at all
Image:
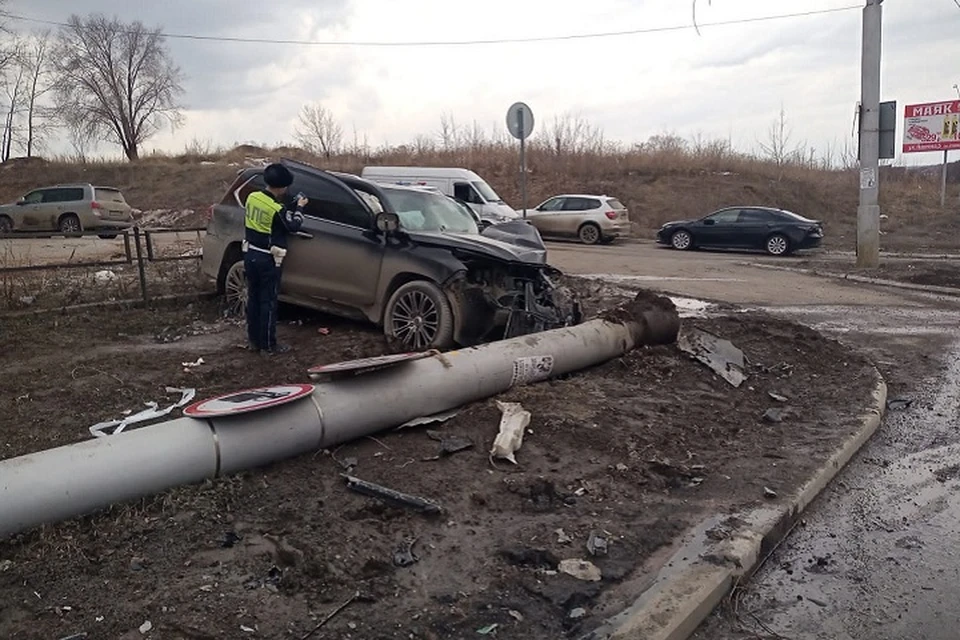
{"x":933,"y":126}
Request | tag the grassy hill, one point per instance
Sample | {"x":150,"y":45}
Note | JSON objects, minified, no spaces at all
{"x":656,"y":184}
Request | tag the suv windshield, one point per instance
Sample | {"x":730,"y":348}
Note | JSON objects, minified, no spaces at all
{"x":422,"y":211}
{"x":488,"y":194}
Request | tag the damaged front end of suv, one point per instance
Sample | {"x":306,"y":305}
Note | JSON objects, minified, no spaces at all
{"x":506,"y":288}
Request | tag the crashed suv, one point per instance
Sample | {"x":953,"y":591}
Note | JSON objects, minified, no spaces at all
{"x":403,"y":258}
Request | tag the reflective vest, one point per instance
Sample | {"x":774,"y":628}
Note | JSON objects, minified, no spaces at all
{"x":261,"y":209}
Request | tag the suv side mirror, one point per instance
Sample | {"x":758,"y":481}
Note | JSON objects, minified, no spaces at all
{"x":21,"y":202}
{"x":388,"y":222}
{"x":709,"y":221}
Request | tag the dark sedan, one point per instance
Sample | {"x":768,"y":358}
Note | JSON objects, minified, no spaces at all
{"x":775,"y":231}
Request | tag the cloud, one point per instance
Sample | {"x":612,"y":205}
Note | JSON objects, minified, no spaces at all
{"x":730,"y":81}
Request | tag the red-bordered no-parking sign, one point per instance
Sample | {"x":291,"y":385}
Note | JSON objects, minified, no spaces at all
{"x":248,"y":400}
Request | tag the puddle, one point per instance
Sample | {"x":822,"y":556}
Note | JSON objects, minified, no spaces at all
{"x":686,"y":307}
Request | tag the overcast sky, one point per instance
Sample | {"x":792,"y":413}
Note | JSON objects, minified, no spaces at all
{"x":728,"y":82}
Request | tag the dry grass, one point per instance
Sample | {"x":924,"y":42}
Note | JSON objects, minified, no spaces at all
{"x":666,"y":178}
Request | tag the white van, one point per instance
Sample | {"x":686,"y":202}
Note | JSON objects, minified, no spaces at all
{"x":458,"y":183}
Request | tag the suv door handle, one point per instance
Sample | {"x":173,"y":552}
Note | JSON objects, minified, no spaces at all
{"x":304,"y":235}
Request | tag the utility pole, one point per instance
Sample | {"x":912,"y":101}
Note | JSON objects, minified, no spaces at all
{"x":868,"y":213}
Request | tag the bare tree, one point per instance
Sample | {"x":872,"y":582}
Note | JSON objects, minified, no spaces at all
{"x":116,"y":80}
{"x":39,"y":120}
{"x":449,"y":133}
{"x":14,"y":86}
{"x":776,"y":147}
{"x":317,"y":131}
{"x":572,"y":133}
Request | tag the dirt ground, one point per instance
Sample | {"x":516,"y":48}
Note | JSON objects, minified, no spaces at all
{"x":941,"y":273}
{"x":635,"y":451}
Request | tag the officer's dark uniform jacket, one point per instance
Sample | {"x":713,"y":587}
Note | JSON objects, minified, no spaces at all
{"x":268,"y":221}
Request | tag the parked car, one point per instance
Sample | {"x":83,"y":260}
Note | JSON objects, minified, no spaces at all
{"x":403,"y":258}
{"x":776,"y":231}
{"x":592,"y":219}
{"x":69,"y":209}
{"x":463,"y":184}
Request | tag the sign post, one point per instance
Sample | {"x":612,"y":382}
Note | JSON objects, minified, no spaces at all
{"x":868,"y":213}
{"x":933,"y":126}
{"x":520,"y":125}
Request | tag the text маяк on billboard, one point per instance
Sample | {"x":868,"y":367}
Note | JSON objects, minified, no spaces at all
{"x":933,"y":126}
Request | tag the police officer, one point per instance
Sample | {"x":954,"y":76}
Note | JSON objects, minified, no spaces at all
{"x":268,"y":221}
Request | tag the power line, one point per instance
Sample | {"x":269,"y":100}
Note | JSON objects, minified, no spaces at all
{"x":441,"y":43}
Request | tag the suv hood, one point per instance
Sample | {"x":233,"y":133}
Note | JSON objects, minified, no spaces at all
{"x":504,"y":245}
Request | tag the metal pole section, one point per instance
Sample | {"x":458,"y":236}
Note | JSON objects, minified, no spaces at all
{"x":523,"y":162}
{"x":868,"y":213}
{"x":77,"y":479}
{"x":943,"y":181}
{"x":140,"y":267}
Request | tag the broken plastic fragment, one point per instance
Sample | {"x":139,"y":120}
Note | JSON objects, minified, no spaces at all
{"x":190,"y":365}
{"x":718,"y":354}
{"x":152,"y":412}
{"x":487,"y":630}
{"x":581,"y":570}
{"x":512,"y":423}
{"x":437,"y":417}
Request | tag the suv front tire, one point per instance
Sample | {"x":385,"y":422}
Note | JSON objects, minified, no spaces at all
{"x":418,"y":317}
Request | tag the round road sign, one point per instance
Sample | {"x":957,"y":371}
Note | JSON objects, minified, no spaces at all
{"x":249,"y":400}
{"x":366,"y":365}
{"x":520,"y":121}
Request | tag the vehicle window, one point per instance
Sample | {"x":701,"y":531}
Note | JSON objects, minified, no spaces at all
{"x":726,"y":216}
{"x":580,"y":204}
{"x":489,"y":194}
{"x":73,"y":194}
{"x":109,"y":195}
{"x":554,"y":204}
{"x":466,"y":193}
{"x":330,"y":201}
{"x":34,"y":197}
{"x":53,"y":195}
{"x":790,"y":216}
{"x":754,"y":215}
{"x":255,"y":183}
{"x":615,"y":204}
{"x":422,"y":211}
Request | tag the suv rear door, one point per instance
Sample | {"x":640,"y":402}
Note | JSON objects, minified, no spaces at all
{"x":342,"y":261}
{"x":112,"y":203}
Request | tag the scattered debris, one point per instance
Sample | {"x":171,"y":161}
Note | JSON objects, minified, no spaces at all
{"x":530,"y":557}
{"x":562,"y":537}
{"x":323,"y":331}
{"x":819,"y":603}
{"x":576,"y":614}
{"x":331,"y":615}
{"x":404,"y":555}
{"x":621,"y":467}
{"x":773,"y":416}
{"x":718,"y":354}
{"x":596,"y":545}
{"x":391,"y":496}
{"x":247,"y":629}
{"x":26,"y":301}
{"x":449,"y":444}
{"x":6,"y":565}
{"x":899,"y":404}
{"x":487,"y":630}
{"x":778,"y":397}
{"x":113,"y":427}
{"x":580,"y":569}
{"x":230,"y":538}
{"x":512,"y":423}
{"x":769,"y":493}
{"x":191,"y":365}
{"x":146,"y":627}
{"x":75,"y":636}
{"x":437,"y":417}
{"x":104,"y":277}
{"x":516,"y":615}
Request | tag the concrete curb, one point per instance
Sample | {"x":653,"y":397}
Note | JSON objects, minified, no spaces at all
{"x":701,"y":573}
{"x":880,"y":282}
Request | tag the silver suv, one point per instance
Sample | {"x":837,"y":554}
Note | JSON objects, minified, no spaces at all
{"x":69,"y":209}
